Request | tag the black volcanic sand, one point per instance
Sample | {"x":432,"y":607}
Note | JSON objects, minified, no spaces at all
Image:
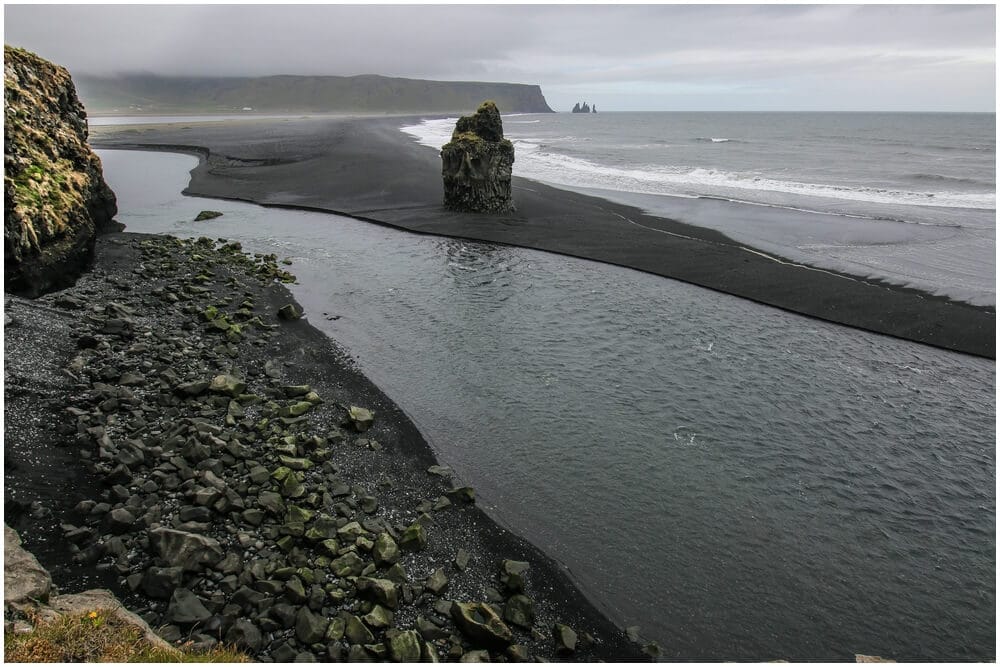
{"x":113,"y":434}
{"x":366,"y":168}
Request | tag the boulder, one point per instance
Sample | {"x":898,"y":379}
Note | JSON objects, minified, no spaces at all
{"x":476,"y":164}
{"x":185,"y":608}
{"x":385,"y":551}
{"x":565,"y":638}
{"x":437,"y":583}
{"x":360,"y":418}
{"x":480,"y":623}
{"x":189,"y":551}
{"x":24,"y":579}
{"x":414,"y":538}
{"x":309,"y":628}
{"x":512,"y":575}
{"x":405,"y":647}
{"x":160,"y":582}
{"x":520,"y":610}
{"x":356,"y":632}
{"x":380,"y":590}
{"x":245,"y":636}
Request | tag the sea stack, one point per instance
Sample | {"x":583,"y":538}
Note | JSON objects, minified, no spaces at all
{"x":54,"y":194}
{"x":476,"y":164}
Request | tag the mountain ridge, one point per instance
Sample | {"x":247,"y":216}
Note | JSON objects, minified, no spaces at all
{"x":296,"y":93}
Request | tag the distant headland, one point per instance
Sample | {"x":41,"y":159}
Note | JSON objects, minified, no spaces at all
{"x":146,"y":93}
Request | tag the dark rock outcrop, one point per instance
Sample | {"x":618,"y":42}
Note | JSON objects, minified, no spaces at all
{"x":476,"y":164}
{"x":55,"y":197}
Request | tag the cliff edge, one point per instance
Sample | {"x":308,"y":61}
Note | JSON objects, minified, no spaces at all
{"x":55,"y":197}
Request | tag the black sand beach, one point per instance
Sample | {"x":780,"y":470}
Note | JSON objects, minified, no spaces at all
{"x":366,"y":168}
{"x":116,"y":345}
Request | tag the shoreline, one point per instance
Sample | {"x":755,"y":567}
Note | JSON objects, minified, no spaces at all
{"x":121,"y":275}
{"x":360,"y":169}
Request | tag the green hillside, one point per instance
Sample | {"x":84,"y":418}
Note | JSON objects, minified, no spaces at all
{"x":366,"y":93}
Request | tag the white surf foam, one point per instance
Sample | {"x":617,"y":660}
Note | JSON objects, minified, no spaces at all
{"x":536,"y":162}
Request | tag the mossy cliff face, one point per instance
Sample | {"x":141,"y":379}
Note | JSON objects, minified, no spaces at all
{"x":476,"y":164}
{"x":55,"y":197}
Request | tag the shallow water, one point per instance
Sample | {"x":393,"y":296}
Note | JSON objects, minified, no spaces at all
{"x":741,"y":482}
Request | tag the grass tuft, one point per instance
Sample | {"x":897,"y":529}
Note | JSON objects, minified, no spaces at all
{"x":99,"y":636}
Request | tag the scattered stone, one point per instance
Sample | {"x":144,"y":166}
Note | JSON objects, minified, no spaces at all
{"x":379,"y":617}
{"x":385,"y":551}
{"x":119,"y":521}
{"x":520,"y":610}
{"x":464,"y":494}
{"x":160,"y":582}
{"x":207,"y":215}
{"x":360,"y":418}
{"x":309,"y":628}
{"x":476,"y":656}
{"x":289,"y":312}
{"x":186,"y":550}
{"x":565,"y":638}
{"x":185,"y":608}
{"x":653,"y":650}
{"x":437,"y":583}
{"x":356,"y":632}
{"x":414,"y":538}
{"x":245,"y":636}
{"x":462,"y":560}
{"x":512,"y":575}
{"x":227,"y":384}
{"x":381,"y":590}
{"x":405,"y":647}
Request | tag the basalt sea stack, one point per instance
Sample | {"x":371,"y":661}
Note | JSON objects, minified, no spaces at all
{"x":54,"y":194}
{"x":476,"y":164}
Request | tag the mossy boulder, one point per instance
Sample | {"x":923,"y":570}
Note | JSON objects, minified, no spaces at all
{"x":477,"y":163}
{"x":55,"y":197}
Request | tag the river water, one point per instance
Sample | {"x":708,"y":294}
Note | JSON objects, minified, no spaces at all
{"x":741,"y":482}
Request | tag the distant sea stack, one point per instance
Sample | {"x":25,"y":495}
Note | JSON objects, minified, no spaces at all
{"x":54,"y":194}
{"x":273,"y":94}
{"x":584,"y":108}
{"x":476,"y":164}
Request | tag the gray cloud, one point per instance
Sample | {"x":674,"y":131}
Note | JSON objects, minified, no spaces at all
{"x":651,"y":56}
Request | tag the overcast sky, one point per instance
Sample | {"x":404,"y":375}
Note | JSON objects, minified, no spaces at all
{"x":640,"y":57}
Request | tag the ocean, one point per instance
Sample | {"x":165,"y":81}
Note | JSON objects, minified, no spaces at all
{"x":909,"y":198}
{"x":741,"y":482}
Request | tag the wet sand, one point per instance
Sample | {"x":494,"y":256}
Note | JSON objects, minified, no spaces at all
{"x":367,"y":169}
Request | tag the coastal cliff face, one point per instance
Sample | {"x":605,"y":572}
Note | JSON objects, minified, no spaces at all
{"x":55,"y":197}
{"x":476,"y":164}
{"x":143,"y":93}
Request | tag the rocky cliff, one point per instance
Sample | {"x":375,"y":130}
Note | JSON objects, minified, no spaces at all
{"x":55,"y":197}
{"x":476,"y":164}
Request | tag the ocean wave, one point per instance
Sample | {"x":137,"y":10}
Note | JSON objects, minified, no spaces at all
{"x":719,"y":140}
{"x":941,"y":178}
{"x":534,"y":161}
